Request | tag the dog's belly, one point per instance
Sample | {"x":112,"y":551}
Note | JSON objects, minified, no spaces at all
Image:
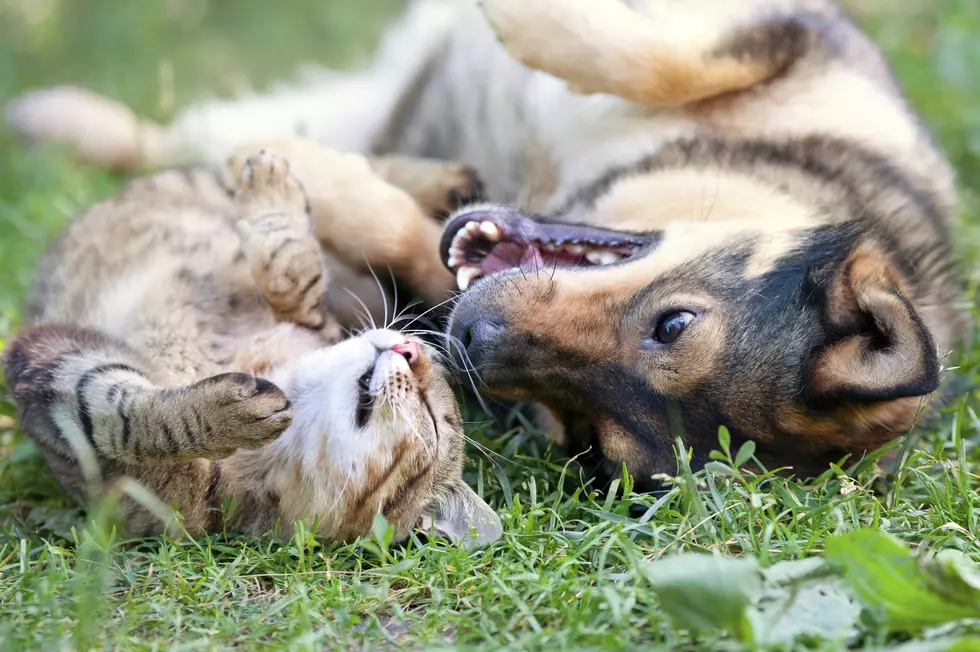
{"x":532,"y":140}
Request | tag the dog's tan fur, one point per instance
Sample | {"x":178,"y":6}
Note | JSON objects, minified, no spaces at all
{"x":179,"y":335}
{"x":797,"y":205}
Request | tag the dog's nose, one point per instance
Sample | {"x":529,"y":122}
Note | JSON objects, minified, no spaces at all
{"x":479,"y":335}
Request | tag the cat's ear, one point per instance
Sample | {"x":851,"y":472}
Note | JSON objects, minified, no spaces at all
{"x":463,"y":517}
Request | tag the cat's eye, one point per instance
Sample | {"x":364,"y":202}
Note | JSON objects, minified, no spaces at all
{"x":671,"y":325}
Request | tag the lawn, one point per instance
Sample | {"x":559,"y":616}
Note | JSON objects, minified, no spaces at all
{"x":573,"y":569}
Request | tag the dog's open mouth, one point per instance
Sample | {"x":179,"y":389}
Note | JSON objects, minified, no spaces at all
{"x":480,"y":242}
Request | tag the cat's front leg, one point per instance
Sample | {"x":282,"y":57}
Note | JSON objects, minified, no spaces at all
{"x":278,"y":238}
{"x":367,"y":221}
{"x":84,"y":396}
{"x":76,"y":388}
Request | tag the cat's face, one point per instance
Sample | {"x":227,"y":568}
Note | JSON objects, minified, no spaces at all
{"x":377,"y":428}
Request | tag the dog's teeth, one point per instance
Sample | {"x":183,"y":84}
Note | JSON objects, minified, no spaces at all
{"x":490,"y":231}
{"x":602,"y":257}
{"x":473,"y":227}
{"x":461,"y":237}
{"x":465,"y":276}
{"x":574,"y":249}
{"x":453,"y":260}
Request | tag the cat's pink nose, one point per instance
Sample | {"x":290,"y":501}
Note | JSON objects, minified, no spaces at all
{"x":409,"y":350}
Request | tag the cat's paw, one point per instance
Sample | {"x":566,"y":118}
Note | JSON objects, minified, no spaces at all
{"x":266,"y":184}
{"x":242,"y":411}
{"x":294,"y":283}
{"x":277,"y":237}
{"x":288,"y":267}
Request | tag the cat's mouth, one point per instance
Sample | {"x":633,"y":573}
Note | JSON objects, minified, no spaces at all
{"x":396,"y":372}
{"x":483,"y":241}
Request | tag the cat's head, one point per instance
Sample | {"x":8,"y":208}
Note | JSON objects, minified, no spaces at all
{"x":377,"y":428}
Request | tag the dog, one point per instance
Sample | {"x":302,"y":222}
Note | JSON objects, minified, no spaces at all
{"x":706,"y":213}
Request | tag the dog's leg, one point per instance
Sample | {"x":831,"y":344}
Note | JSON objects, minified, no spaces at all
{"x":438,"y":187}
{"x":346,"y":110}
{"x":105,"y":132}
{"x":366,"y":222}
{"x":661,"y":55}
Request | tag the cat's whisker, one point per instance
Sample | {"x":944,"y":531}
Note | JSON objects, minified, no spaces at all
{"x":470,"y":373}
{"x":401,"y":316}
{"x":394,"y":303}
{"x":467,"y":366}
{"x":394,"y":289}
{"x":437,"y":306}
{"x":412,"y":425}
{"x":485,"y":451}
{"x":367,"y":313}
{"x":343,"y":489}
{"x":384,"y":293}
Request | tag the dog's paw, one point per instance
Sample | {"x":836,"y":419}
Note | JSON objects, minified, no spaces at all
{"x":460,"y":185}
{"x":595,"y":46}
{"x":524,"y":27}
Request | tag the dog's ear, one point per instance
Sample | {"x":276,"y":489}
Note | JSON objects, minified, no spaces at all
{"x":882,"y":350}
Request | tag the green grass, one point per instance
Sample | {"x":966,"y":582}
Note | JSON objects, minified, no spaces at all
{"x":569,"y":571}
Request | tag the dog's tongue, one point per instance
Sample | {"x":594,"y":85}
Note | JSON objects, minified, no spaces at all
{"x":508,"y":255}
{"x":531,"y":258}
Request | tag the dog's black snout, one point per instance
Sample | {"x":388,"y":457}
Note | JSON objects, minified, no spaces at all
{"x":480,"y":333}
{"x":478,"y":337}
{"x":481,"y":337}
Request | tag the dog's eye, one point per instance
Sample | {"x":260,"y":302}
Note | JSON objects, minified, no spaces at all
{"x":672,"y":325}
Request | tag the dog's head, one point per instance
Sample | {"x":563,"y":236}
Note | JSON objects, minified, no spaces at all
{"x":799,"y":335}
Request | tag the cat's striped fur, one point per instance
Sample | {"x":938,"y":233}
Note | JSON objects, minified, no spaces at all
{"x":178,"y":335}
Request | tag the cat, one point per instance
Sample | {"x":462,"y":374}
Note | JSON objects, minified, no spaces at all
{"x":178,"y":335}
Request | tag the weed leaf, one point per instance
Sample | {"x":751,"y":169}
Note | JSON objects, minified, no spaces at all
{"x":909,"y":594}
